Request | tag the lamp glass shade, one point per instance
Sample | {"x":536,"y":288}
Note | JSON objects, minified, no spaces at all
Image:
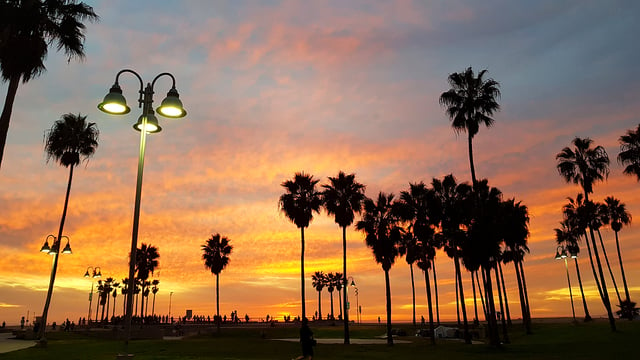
{"x":558,"y":256}
{"x":54,"y":249}
{"x":67,"y":249}
{"x":353,"y":283}
{"x":45,"y":248}
{"x":171,"y":106}
{"x":114,"y":102}
{"x":86,"y":274}
{"x":151,"y":126}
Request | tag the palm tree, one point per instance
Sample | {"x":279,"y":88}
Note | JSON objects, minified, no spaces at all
{"x":27,"y":29}
{"x":380,"y":224}
{"x":215,"y":253}
{"x":568,"y":237}
{"x":298,"y":204}
{"x":146,"y":262}
{"x":599,"y":219}
{"x":617,"y":215}
{"x":124,"y":290}
{"x":629,"y":155}
{"x":70,"y":140}
{"x":343,"y":198}
{"x":340,"y":281}
{"x":414,"y":208}
{"x":319,"y":280}
{"x":331,"y":284}
{"x":154,"y":290}
{"x":448,"y":210}
{"x":114,"y":294}
{"x":585,"y":165}
{"x":515,"y":226}
{"x":470,"y":102}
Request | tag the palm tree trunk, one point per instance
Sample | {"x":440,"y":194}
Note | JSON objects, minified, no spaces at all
{"x":494,"y":335}
{"x":593,"y":267}
{"x":153,"y":306}
{"x":467,"y":337}
{"x":388,"y":293}
{"x":331,"y":292}
{"x":114,"y":303}
{"x":473,"y":169}
{"x":587,"y":317}
{"x":526,"y":299}
{"x":218,"y":302}
{"x":413,"y":295}
{"x":624,"y":278}
{"x":345,"y":313}
{"x":483,"y":300}
{"x":340,"y":304}
{"x":14,"y":81}
{"x":142,"y":287}
{"x":431,"y":327}
{"x":54,"y":267}
{"x":304,"y":313}
{"x":523,"y":303}
{"x":606,"y":258}
{"x":457,"y":299}
{"x":435,"y":288}
{"x":475,"y":301}
{"x":103,"y":304}
{"x":505,"y":334}
{"x":605,"y":298}
{"x":108,"y":302}
{"x":319,"y":304}
{"x":504,"y":291}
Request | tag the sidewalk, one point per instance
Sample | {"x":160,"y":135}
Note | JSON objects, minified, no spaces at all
{"x":8,"y":343}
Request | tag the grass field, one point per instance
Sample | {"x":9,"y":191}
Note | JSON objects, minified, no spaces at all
{"x":550,"y":340}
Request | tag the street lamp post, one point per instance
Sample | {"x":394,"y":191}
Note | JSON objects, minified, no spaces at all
{"x":170,"y":296}
{"x":561,"y":254}
{"x":53,"y":250}
{"x":353,"y":284}
{"x":114,"y":103}
{"x":95,"y":273}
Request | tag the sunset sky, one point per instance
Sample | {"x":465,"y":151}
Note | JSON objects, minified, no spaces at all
{"x":276,"y":87}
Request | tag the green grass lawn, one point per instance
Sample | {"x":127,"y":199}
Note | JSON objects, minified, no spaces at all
{"x":561,"y":340}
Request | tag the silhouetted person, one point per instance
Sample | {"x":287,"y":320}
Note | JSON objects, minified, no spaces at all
{"x":306,"y":341}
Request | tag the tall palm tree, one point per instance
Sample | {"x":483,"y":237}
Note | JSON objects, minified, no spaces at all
{"x":340,"y":282}
{"x":215,"y":253}
{"x":380,"y":224}
{"x":448,"y":212}
{"x":515,"y":226}
{"x":298,"y":203}
{"x":617,"y":215}
{"x":408,"y":249}
{"x":331,"y":285}
{"x":585,"y":165}
{"x":146,"y":262}
{"x":568,"y":237}
{"x":70,"y":140}
{"x":342,"y":198}
{"x":27,"y":29}
{"x":470,"y":102}
{"x":598,"y":220}
{"x":114,"y":294}
{"x":319,"y":280}
{"x":629,"y":155}
{"x":154,"y":290}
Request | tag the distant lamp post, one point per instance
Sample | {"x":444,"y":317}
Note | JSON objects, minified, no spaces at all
{"x":561,"y":254}
{"x":353,"y":285}
{"x":170,"y":296}
{"x":114,"y":103}
{"x":94,"y":273}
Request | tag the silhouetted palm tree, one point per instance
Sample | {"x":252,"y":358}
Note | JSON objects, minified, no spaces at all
{"x":470,"y":102}
{"x":146,"y":263}
{"x":340,"y":281}
{"x":617,"y":216}
{"x":383,"y":235}
{"x":599,"y":219}
{"x":585,"y":165}
{"x":154,"y":290}
{"x":342,"y":198}
{"x":319,"y":280}
{"x":629,"y":155}
{"x":27,"y":29}
{"x":215,"y":253}
{"x":331,"y":285}
{"x":114,"y":294}
{"x":449,"y":212}
{"x":71,"y":140}
{"x":298,"y":204}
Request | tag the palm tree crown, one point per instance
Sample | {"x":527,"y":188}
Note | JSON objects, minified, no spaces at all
{"x":380,"y":225}
{"x":629,"y":155}
{"x":146,"y":260}
{"x":301,"y":199}
{"x":343,"y":198}
{"x":583,"y":164}
{"x":215,"y":253}
{"x":71,"y":139}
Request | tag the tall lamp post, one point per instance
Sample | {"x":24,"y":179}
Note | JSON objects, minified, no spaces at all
{"x":114,"y":103}
{"x":561,"y":254}
{"x":53,"y":250}
{"x":95,"y":273}
{"x":353,"y":284}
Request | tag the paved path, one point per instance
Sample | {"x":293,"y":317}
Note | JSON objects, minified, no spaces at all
{"x":8,"y":343}
{"x":352,"y":341}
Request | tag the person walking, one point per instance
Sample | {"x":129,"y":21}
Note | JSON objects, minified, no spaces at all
{"x":306,"y":340}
